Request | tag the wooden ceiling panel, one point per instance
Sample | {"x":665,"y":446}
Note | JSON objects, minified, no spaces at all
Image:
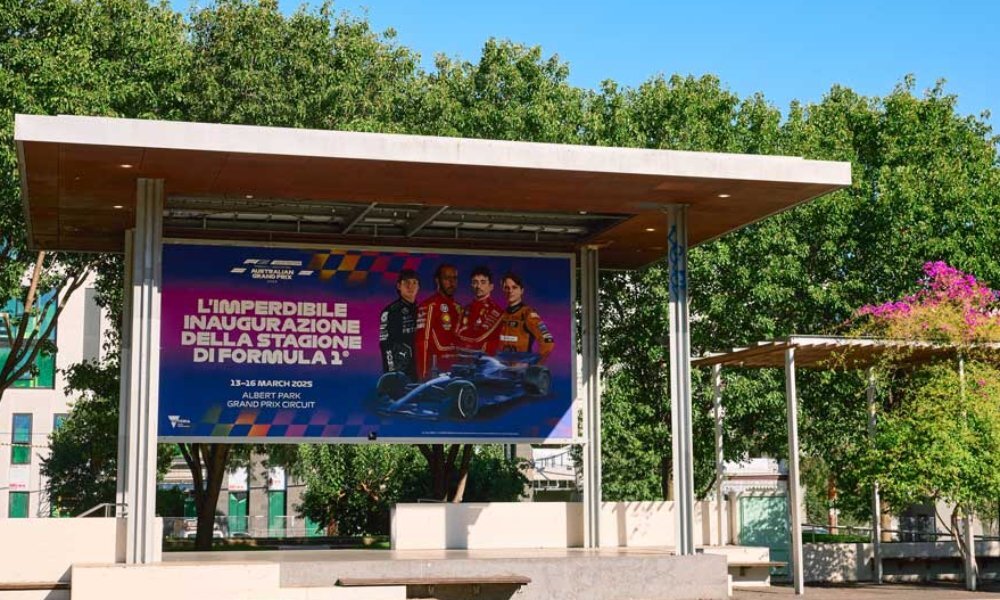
{"x":75,"y":174}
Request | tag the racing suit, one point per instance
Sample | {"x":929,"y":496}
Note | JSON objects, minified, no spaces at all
{"x":438,"y":318}
{"x":397,"y":325}
{"x":480,"y":326}
{"x":521,"y":328}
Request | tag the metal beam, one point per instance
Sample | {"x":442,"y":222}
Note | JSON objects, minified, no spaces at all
{"x":359,"y":217}
{"x":680,"y":377}
{"x":142,"y":374}
{"x":423,"y":219}
{"x":794,"y":485}
{"x":876,"y":502}
{"x":589,"y":282}
{"x":720,"y":463}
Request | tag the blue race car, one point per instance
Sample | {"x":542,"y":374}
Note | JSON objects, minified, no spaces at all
{"x":476,"y":380}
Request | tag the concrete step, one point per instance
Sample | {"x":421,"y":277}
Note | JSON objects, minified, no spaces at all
{"x":381,"y":592}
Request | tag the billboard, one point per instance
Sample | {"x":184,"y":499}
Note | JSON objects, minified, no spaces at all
{"x":286,"y":344}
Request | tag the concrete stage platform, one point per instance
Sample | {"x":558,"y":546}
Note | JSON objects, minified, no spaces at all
{"x":606,"y":574}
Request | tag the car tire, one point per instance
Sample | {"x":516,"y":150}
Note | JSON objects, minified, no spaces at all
{"x":393,"y":385}
{"x":537,"y":381}
{"x":463,"y":399}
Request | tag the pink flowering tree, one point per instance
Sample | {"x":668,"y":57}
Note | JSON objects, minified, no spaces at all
{"x":950,"y":307}
{"x":938,"y":436}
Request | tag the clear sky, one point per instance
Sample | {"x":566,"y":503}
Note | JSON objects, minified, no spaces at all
{"x":786,"y":49}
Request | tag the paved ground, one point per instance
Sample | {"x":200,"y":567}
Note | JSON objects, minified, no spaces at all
{"x":871,"y":592}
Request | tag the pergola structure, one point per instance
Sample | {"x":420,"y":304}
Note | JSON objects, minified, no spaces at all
{"x":117,"y":185}
{"x":830,"y":353}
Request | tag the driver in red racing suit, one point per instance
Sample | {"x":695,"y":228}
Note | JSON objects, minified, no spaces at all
{"x":438,"y":318}
{"x":481,"y":321}
{"x":522,"y":326}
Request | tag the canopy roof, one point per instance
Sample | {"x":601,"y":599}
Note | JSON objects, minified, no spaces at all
{"x":828,"y":352}
{"x":78,"y":179}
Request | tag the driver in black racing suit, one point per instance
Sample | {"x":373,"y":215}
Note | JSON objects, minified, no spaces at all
{"x":397,"y":326}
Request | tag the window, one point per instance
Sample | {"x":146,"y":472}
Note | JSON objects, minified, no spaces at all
{"x":21,"y":439}
{"x":18,"y":505}
{"x":58,"y":420}
{"x":43,"y":373}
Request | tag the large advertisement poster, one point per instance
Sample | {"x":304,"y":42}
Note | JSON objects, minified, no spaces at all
{"x":342,"y":345}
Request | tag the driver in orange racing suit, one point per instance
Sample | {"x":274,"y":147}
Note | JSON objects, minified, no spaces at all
{"x":480,"y":325}
{"x":437,"y":320}
{"x":521,"y":324}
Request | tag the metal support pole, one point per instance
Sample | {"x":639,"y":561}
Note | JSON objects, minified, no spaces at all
{"x":121,"y":479}
{"x":680,"y":378}
{"x":794,"y":487}
{"x":971,"y":568}
{"x":141,"y":377}
{"x":589,"y":273}
{"x":970,"y":539}
{"x":719,"y":459}
{"x":876,"y":502}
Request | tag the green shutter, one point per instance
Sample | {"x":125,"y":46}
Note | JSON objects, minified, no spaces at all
{"x":238,"y":512}
{"x":18,"y":508}
{"x":276,"y":513}
{"x":313,"y":529}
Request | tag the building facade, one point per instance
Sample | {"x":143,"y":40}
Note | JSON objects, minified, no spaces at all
{"x":37,"y":403}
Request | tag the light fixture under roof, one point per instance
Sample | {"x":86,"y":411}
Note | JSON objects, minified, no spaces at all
{"x":651,"y":229}
{"x":126,"y":165}
{"x":249,"y":196}
{"x":118,"y":206}
{"x":723,"y":195}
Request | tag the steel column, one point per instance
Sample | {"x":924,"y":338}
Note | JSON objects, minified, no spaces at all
{"x":140,"y":371}
{"x":971,"y":569}
{"x":720,"y":463}
{"x":876,"y":502}
{"x":125,"y":362}
{"x":589,"y":287}
{"x":794,"y":487}
{"x":680,"y":377}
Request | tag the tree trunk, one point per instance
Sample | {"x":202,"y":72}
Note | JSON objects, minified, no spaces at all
{"x":666,"y":478}
{"x":885,"y":520}
{"x":441,"y":463}
{"x":463,"y":473}
{"x":831,"y":497}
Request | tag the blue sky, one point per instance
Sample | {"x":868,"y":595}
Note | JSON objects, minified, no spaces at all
{"x":786,"y":49}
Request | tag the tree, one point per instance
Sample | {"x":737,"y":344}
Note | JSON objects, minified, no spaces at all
{"x":352,"y":487}
{"x":28,"y":334}
{"x":82,"y":465}
{"x":115,"y":57}
{"x":939,"y":437}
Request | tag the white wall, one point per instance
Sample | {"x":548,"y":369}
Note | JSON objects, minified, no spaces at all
{"x":43,"y":550}
{"x":78,"y":337}
{"x":543,"y":525}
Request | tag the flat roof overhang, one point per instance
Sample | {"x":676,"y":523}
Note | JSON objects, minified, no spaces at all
{"x":78,"y":177}
{"x":840,"y":352}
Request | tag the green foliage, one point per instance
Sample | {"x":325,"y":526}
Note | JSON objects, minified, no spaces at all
{"x":353,"y":486}
{"x":943,"y":440}
{"x":83,"y":460}
{"x":494,"y":478}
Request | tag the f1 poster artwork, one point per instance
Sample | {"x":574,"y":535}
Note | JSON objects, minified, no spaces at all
{"x":294,"y":344}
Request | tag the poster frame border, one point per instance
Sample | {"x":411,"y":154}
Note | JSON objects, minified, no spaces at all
{"x":575,"y":436}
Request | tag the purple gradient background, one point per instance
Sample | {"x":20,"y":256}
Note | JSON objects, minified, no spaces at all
{"x":191,"y":389}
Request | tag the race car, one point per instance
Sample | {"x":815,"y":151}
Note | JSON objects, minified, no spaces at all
{"x":476,"y":380}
